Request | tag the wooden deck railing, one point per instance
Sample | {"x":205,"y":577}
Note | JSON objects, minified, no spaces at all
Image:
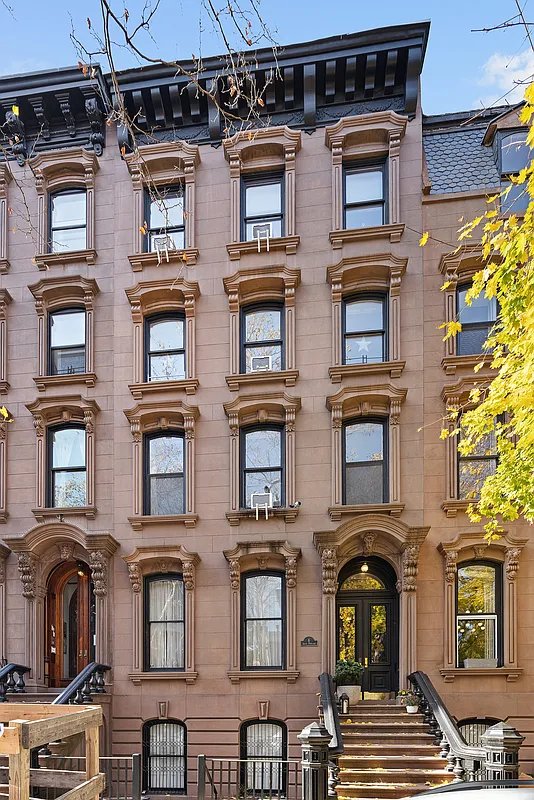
{"x":26,"y":726}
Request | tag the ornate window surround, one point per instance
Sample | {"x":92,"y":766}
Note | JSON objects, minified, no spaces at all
{"x":64,"y":169}
{"x":257,"y":151}
{"x":353,"y":403}
{"x":466,"y":547}
{"x":246,"y":556}
{"x":247,"y":286}
{"x":52,"y":294}
{"x":39,"y":551}
{"x":163,"y":164}
{"x":4,"y":554}
{"x":51,"y":411}
{"x":259,"y":409}
{"x":5,"y":179}
{"x":156,"y":415}
{"x":459,"y":267}
{"x":153,"y":297}
{"x":158,"y":559}
{"x":396,"y":542}
{"x":378,"y":273}
{"x":366,"y":136}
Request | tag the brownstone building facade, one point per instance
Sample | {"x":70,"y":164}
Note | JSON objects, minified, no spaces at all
{"x":223,"y":361}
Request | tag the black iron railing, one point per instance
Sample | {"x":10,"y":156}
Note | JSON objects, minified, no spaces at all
{"x":12,"y":680}
{"x":330,"y":718}
{"x":88,"y":682}
{"x":252,"y":778}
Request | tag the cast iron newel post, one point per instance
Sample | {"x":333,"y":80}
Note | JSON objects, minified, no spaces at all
{"x":315,"y":740}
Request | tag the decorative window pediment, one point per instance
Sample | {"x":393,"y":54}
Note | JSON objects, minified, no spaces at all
{"x":157,"y":297}
{"x":261,"y":151}
{"x":363,"y":137}
{"x":363,"y":274}
{"x":5,"y":179}
{"x":52,"y":294}
{"x":473,"y":546}
{"x":57,"y":170}
{"x":163,"y":164}
{"x":160,"y":559}
{"x":358,"y":403}
{"x":159,"y":416}
{"x":261,"y":285}
{"x":259,"y":556}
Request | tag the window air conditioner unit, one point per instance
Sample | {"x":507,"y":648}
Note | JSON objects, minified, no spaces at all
{"x":162,"y":243}
{"x":263,"y":501}
{"x":261,"y":363}
{"x":262,"y":230}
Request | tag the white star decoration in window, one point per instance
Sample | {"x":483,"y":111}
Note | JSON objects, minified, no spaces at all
{"x":363,"y":345}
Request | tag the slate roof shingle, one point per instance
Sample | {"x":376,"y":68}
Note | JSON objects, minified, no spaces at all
{"x":458,"y":162}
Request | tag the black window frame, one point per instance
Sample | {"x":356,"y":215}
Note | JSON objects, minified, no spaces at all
{"x":384,"y":421}
{"x":51,"y":470}
{"x":147,"y":580}
{"x":52,"y":228}
{"x":243,"y":627}
{"x":472,"y":326}
{"x":179,"y":190}
{"x":147,"y":755}
{"x":251,"y":309}
{"x":50,"y":350}
{"x":506,"y":177}
{"x":472,"y":457}
{"x":383,"y":297}
{"x":147,"y":437}
{"x":351,"y":167}
{"x":243,"y":755}
{"x":243,"y":470}
{"x":262,"y":179}
{"x":162,"y":316}
{"x":499,"y":606}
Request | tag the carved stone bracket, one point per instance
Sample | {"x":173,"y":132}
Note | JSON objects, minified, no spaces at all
{"x":98,"y":563}
{"x":28,"y":574}
{"x":329,"y":562}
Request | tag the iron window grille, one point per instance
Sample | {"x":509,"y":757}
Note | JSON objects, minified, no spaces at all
{"x":165,"y":213}
{"x":263,"y":614}
{"x":66,"y":352}
{"x":262,"y":337}
{"x":365,"y":329}
{"x":479,"y":614}
{"x":473,"y":469}
{"x":165,"y":347}
{"x":473,"y":728}
{"x":164,"y":628}
{"x":262,"y":201}
{"x":67,"y":468}
{"x":165,"y":756}
{"x":364,"y":195}
{"x":164,"y":481}
{"x":514,"y":155}
{"x":365,"y":461}
{"x":263,"y":745}
{"x":262,"y":463}
{"x":477,"y":322}
{"x":67,"y":213}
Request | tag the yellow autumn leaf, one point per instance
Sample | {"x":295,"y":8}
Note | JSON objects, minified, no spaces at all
{"x":444,"y":433}
{"x":15,"y":110}
{"x":424,"y":239}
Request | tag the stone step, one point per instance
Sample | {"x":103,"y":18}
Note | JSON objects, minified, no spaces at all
{"x":372,"y":708}
{"x":399,"y":761}
{"x":370,"y":750}
{"x":378,"y":719}
{"x":397,"y":737}
{"x":384,"y":727}
{"x":394,"y":776}
{"x":375,"y":791}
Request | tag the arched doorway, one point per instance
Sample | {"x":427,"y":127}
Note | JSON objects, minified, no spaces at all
{"x":367,"y":610}
{"x":69,"y":622}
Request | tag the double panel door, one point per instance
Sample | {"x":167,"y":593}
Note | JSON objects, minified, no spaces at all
{"x":368,"y":633}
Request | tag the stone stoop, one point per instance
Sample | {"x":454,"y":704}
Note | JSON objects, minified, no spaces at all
{"x":388,"y":754}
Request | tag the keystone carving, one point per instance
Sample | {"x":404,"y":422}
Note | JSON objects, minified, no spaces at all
{"x":369,"y":540}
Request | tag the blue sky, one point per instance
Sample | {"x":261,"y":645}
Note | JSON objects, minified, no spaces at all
{"x":463,"y":70}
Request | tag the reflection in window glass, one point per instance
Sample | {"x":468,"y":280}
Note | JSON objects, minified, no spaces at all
{"x":165,"y":468}
{"x":263,"y":621}
{"x":515,"y":153}
{"x":67,"y":342}
{"x":67,"y":467}
{"x":166,"y":222}
{"x":347,"y":633}
{"x":477,"y":320}
{"x":379,"y":654}
{"x":364,"y":331}
{"x":166,"y":349}
{"x":263,"y":340}
{"x":476,"y":614}
{"x":263,"y":464}
{"x":263,"y":215}
{"x":362,"y":582}
{"x":364,"y":463}
{"x":68,"y":226}
{"x":364,"y":197}
{"x":166,"y":623}
{"x":474,"y":468}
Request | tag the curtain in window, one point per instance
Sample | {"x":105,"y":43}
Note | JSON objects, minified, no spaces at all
{"x":166,"y":767}
{"x":166,"y":614}
{"x":264,"y":621}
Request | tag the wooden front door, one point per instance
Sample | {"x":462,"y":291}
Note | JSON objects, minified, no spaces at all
{"x":69,"y":623}
{"x":367,"y":622}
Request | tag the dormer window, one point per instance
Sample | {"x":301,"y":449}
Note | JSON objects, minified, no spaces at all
{"x":166,"y":219}
{"x":68,"y":221}
{"x":263,"y":204}
{"x":514,"y":156}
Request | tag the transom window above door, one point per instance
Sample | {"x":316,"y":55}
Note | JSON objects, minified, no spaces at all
{"x":364,"y":196}
{"x":165,"y":348}
{"x":67,"y":337}
{"x":68,"y":220}
{"x":364,"y":329}
{"x":165,"y":219}
{"x":262,"y":202}
{"x":263,"y":339}
{"x":364,"y":463}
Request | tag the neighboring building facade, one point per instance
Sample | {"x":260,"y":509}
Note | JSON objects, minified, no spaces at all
{"x":209,"y":324}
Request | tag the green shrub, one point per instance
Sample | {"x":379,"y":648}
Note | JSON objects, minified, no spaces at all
{"x":348,"y":673}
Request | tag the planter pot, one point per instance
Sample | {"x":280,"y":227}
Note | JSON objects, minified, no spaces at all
{"x":412,"y":709}
{"x":354,"y":693}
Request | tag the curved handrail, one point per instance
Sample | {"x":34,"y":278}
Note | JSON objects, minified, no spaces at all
{"x":7,"y":680}
{"x":330,"y":714}
{"x":80,"y":688}
{"x":447,"y":725}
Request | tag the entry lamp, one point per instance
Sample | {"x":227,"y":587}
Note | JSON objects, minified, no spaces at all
{"x":81,"y":569}
{"x":364,"y":567}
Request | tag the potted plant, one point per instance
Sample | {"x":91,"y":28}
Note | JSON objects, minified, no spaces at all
{"x":347,"y":677}
{"x":411,"y":701}
{"x":399,"y":700}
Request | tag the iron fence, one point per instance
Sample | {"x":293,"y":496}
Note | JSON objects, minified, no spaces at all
{"x":248,"y":779}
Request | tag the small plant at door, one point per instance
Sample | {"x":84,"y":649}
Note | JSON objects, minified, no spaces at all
{"x":348,"y":673}
{"x":411,"y":701}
